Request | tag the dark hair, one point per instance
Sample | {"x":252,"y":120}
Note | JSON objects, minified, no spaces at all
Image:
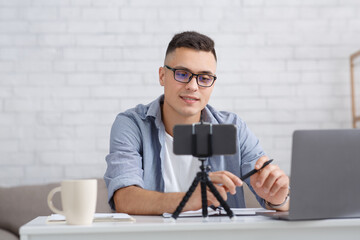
{"x":193,"y":40}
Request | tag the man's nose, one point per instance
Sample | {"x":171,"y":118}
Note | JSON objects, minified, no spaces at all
{"x":192,"y":85}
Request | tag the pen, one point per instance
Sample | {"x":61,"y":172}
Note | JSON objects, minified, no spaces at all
{"x":252,"y":172}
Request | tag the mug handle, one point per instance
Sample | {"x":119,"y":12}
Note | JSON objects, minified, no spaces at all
{"x":50,"y":202}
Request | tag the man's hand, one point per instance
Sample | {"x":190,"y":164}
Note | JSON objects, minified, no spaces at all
{"x":135,"y":200}
{"x":270,"y":183}
{"x":224,"y":182}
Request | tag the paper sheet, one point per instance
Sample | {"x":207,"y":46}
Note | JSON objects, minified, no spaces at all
{"x":220,"y":212}
{"x":98,"y":217}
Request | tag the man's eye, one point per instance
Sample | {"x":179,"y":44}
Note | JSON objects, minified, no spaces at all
{"x":205,"y":78}
{"x":182,"y":74}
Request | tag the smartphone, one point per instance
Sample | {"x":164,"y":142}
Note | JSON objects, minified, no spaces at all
{"x":205,"y":139}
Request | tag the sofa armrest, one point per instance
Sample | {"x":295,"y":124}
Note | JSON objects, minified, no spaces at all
{"x":6,"y":235}
{"x":19,"y":205}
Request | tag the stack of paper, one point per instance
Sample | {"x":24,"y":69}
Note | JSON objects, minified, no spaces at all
{"x":98,"y":217}
{"x":220,"y":212}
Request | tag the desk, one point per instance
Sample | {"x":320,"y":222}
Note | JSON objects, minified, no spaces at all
{"x":158,"y":228}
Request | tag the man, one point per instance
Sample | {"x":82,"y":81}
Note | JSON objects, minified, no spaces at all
{"x":145,"y":177}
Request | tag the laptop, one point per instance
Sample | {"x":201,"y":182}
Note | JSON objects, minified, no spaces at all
{"x":325,"y":175}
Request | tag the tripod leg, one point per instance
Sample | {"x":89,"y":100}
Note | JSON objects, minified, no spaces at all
{"x":204,"y":199}
{"x":179,"y":208}
{"x":219,"y":198}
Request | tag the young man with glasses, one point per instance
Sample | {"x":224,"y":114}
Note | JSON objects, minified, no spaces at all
{"x":143,"y":174}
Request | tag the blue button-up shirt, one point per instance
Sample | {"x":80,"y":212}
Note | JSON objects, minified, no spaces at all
{"x":137,"y":144}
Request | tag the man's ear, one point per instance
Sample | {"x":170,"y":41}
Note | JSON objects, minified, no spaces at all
{"x":162,"y":76}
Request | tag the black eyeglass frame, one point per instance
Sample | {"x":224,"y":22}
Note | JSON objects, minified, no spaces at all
{"x":192,"y":75}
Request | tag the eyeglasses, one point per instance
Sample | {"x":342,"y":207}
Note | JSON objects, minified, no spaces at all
{"x":203,"y":80}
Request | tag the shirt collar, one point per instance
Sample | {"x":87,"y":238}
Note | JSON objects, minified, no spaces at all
{"x":209,"y":114}
{"x":154,"y":111}
{"x":155,"y":107}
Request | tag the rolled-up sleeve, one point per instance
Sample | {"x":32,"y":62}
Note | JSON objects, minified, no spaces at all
{"x":124,"y":162}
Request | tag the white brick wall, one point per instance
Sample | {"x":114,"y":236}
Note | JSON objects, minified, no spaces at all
{"x":67,"y":67}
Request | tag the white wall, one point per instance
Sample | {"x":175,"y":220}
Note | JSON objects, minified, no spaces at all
{"x":67,"y":67}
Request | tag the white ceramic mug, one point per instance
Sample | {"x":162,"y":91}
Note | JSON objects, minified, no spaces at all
{"x":78,"y":198}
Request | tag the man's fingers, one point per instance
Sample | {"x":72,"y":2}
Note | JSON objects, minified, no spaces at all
{"x":222,"y":192}
{"x":260,"y":162}
{"x":272,"y":175}
{"x":212,"y":199}
{"x":280,"y":183}
{"x":227,"y":179}
{"x":263,"y":175}
{"x":224,"y":176}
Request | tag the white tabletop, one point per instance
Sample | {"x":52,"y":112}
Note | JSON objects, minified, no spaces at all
{"x":157,"y":227}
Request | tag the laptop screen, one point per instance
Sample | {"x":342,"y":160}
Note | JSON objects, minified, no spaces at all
{"x":325,"y":174}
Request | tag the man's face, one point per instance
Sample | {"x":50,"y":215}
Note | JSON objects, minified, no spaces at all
{"x":184,"y":101}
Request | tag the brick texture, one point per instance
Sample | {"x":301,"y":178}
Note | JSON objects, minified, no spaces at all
{"x":67,"y":67}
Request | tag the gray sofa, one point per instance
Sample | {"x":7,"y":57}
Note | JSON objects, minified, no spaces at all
{"x":19,"y":205}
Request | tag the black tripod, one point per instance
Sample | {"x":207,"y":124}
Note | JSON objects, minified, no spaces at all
{"x":204,"y":180}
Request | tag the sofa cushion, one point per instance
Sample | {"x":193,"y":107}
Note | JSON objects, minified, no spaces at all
{"x":19,"y":205}
{"x":102,"y":205}
{"x":5,"y":235}
{"x":250,"y":199}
